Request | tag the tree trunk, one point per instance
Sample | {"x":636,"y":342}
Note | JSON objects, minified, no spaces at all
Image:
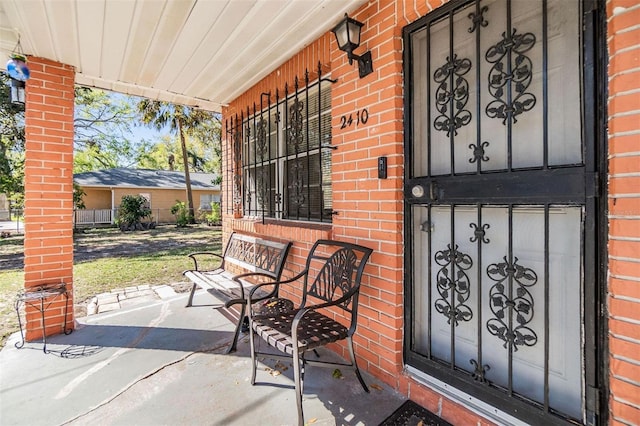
{"x":187,"y":178}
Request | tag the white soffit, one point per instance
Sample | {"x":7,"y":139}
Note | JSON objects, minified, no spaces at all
{"x":196,"y":52}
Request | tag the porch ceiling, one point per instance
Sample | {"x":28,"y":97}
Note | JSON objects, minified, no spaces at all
{"x":193,"y":52}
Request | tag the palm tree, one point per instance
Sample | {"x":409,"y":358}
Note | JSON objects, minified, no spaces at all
{"x":180,"y":119}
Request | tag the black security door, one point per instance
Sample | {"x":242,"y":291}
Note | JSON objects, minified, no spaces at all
{"x":500,"y":193}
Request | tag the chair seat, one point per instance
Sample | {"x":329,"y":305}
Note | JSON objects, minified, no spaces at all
{"x":272,"y":306}
{"x":314,"y":330}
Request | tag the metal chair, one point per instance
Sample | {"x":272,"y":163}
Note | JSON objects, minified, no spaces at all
{"x":330,"y":289}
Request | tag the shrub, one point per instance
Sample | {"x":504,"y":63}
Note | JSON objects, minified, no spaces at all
{"x":78,"y":196}
{"x":183,"y":218}
{"x":214,"y":218}
{"x":133,"y":208}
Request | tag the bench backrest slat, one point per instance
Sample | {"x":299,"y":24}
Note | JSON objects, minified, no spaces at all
{"x":256,"y":255}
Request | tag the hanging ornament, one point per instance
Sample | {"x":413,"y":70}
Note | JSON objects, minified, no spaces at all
{"x":17,"y":66}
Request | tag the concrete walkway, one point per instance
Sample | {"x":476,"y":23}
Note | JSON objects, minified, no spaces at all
{"x":127,"y":297}
{"x":159,"y":363}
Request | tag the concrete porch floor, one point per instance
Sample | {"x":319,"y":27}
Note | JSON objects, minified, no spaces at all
{"x":159,"y":363}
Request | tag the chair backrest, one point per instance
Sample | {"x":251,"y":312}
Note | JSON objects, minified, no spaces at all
{"x":334,"y":274}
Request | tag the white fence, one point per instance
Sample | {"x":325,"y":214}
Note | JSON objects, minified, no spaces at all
{"x":93,"y":217}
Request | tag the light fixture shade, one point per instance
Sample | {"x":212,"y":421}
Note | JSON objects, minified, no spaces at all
{"x":347,"y":34}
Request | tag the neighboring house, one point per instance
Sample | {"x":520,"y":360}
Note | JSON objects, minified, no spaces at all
{"x":104,"y":190}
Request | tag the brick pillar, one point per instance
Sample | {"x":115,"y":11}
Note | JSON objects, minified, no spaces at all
{"x":623,"y":36}
{"x":48,"y":205}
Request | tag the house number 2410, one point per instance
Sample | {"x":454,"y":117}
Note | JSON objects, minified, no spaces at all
{"x":356,"y":118}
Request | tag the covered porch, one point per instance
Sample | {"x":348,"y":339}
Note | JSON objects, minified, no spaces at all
{"x":155,"y":362}
{"x":201,"y":54}
{"x":375,"y":160}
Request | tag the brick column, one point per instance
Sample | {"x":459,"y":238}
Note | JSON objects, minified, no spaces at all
{"x":623,"y":36}
{"x":48,"y":206}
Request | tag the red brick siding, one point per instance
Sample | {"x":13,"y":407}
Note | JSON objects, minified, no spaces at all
{"x":623,"y":37}
{"x":370,"y":210}
{"x":48,"y":189}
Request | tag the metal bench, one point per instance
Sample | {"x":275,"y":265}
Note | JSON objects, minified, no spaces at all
{"x":327,"y":313}
{"x":246,"y":262}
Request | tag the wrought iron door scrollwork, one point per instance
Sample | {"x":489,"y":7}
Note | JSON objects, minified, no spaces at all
{"x":511,"y":70}
{"x":453,"y":285}
{"x":479,"y":371}
{"x":479,"y":233}
{"x":456,"y":90}
{"x":477,"y":19}
{"x":478,"y":152}
{"x":505,"y":306}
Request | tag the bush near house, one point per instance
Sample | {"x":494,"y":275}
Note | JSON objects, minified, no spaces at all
{"x":215,"y":217}
{"x":133,"y":209}
{"x":181,"y":210}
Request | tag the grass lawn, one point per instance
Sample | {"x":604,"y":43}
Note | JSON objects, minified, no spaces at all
{"x":106,"y":259}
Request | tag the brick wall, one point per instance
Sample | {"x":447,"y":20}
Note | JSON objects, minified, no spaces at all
{"x":48,"y":190}
{"x":623,"y":39}
{"x":370,"y":209}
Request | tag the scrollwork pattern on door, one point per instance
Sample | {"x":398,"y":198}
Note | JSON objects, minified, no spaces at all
{"x":453,"y":285}
{"x":507,"y":306}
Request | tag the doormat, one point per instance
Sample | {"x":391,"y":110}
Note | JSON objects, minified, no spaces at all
{"x":411,"y":414}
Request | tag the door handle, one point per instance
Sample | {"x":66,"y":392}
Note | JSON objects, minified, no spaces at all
{"x":433,"y":190}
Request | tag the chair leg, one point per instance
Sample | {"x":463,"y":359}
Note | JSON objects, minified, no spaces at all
{"x":236,"y":333}
{"x":298,"y":372}
{"x":355,"y":365}
{"x":252,"y":346}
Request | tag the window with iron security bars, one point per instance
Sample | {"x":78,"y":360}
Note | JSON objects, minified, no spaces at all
{"x":285,"y":153}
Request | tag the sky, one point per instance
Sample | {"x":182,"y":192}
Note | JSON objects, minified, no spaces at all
{"x":141,"y":131}
{"x":144,"y":132}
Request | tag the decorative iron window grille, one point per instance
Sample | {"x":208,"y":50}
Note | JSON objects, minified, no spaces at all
{"x":282,"y":153}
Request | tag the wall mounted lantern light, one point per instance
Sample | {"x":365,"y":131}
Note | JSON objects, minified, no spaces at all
{"x":347,"y":34}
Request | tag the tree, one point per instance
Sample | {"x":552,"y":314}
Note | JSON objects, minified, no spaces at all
{"x":12,"y":144}
{"x":78,"y":197}
{"x":103,"y":124}
{"x":182,"y":120}
{"x":203,"y":150}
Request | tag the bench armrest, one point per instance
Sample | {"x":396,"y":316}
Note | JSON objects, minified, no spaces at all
{"x":239,"y":277}
{"x":194,"y":256}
